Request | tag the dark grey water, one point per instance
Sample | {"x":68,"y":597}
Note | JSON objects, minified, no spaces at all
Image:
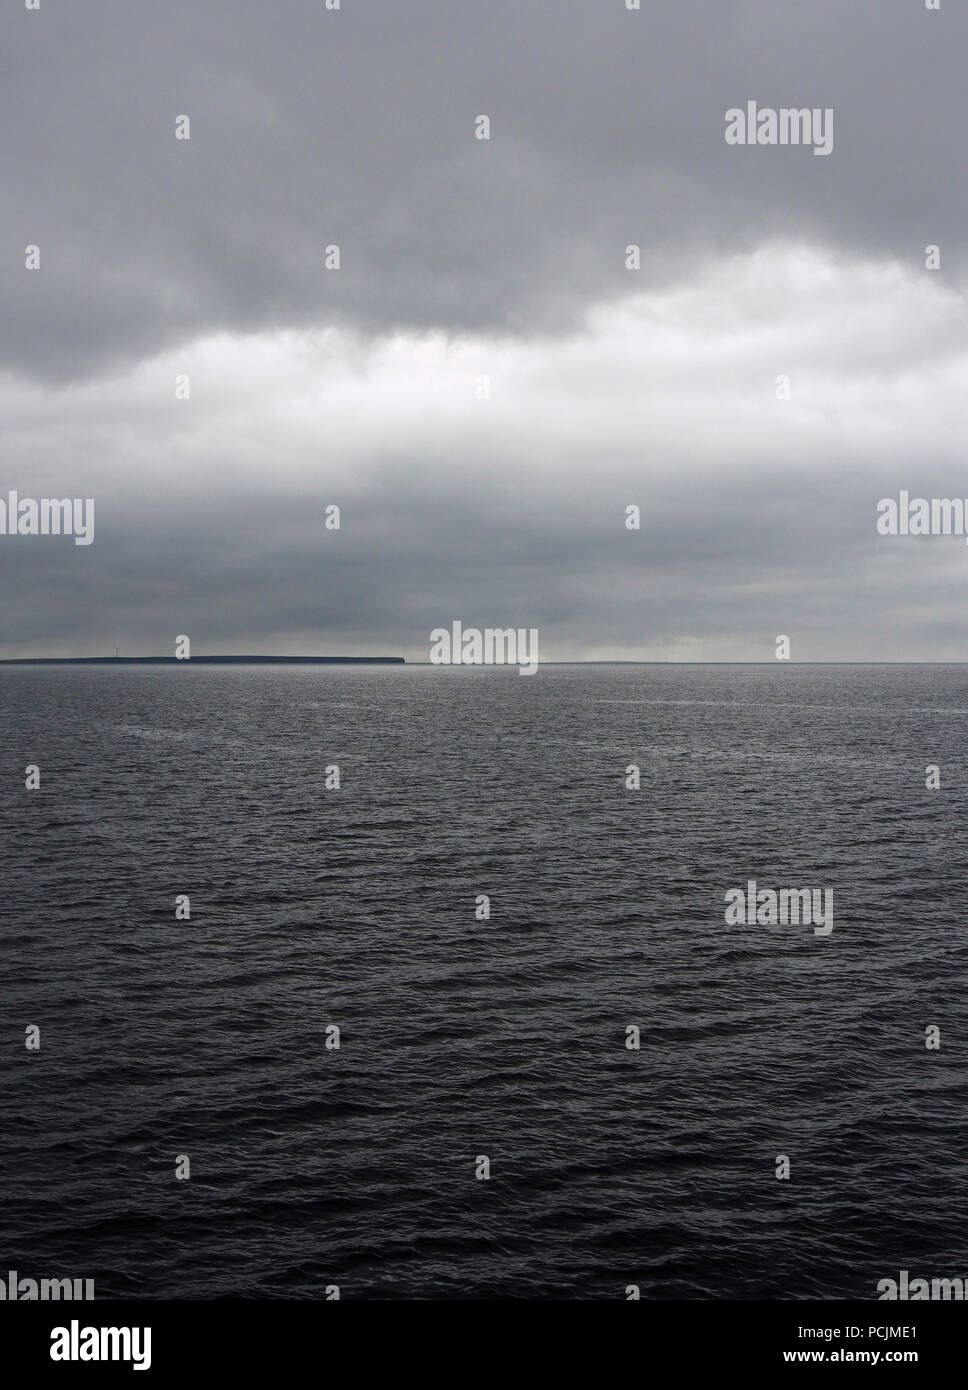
{"x":462,"y":1038}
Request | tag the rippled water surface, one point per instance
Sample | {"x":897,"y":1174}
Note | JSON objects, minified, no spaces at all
{"x":461,"y":1038}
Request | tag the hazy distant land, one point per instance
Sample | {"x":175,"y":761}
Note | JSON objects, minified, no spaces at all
{"x":201,"y":661}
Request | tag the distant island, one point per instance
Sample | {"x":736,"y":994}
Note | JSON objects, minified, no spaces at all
{"x":202,"y":661}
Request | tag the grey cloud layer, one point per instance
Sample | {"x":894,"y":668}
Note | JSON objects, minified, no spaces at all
{"x":758,"y":515}
{"x":355,"y":127}
{"x":716,"y":586}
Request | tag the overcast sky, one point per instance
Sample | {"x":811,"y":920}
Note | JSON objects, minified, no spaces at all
{"x":464,"y":259}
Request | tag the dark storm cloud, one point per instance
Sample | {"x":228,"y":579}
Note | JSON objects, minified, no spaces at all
{"x":356,"y":127}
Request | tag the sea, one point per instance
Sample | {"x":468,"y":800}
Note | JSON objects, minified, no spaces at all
{"x":560,"y":1072}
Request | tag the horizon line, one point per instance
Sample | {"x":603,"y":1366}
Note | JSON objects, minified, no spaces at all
{"x":256,"y":660}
